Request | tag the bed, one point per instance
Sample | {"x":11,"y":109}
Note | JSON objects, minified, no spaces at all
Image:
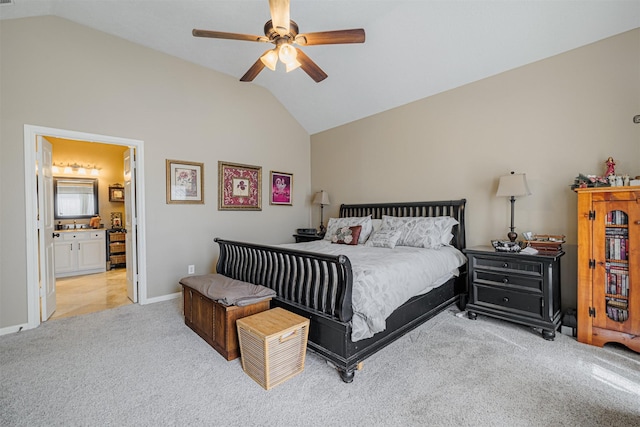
{"x":320,"y":286}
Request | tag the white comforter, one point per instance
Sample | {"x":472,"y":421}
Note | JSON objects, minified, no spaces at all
{"x":384,"y":279}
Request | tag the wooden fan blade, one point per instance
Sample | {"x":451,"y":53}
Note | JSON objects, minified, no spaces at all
{"x":280,"y":16}
{"x":253,"y":71}
{"x":331,"y":37}
{"x":310,"y":67}
{"x":229,"y":36}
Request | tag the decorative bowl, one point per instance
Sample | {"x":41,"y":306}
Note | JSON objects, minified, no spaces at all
{"x":506,"y":246}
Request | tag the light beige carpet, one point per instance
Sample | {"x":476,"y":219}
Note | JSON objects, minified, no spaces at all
{"x":140,"y":365}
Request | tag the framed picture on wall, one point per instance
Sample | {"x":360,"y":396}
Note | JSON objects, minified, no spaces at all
{"x":116,"y":193}
{"x":281,"y":188}
{"x":116,"y":219}
{"x":240,"y":187}
{"x":185,"y":182}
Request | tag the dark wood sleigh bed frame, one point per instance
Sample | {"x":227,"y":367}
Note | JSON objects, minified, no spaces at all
{"x":319,"y":286}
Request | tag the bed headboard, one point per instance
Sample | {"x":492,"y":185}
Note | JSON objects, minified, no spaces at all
{"x":452,"y":208}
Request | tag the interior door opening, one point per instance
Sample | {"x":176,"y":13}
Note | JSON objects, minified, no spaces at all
{"x":38,"y":270}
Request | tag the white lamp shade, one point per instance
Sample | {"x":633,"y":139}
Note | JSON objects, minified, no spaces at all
{"x":514,"y":184}
{"x":321,"y":198}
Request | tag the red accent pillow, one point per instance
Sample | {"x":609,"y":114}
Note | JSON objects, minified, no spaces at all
{"x":347,"y":235}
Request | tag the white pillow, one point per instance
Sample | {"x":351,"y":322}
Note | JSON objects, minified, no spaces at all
{"x":335,"y":223}
{"x":384,"y":238}
{"x":376,"y":223}
{"x":421,"y":232}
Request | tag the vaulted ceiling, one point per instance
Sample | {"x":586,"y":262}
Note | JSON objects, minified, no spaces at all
{"x":413,"y":49}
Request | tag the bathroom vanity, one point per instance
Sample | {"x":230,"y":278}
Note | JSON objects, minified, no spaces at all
{"x":78,"y":252}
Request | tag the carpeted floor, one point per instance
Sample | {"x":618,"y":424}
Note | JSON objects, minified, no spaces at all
{"x":140,"y":365}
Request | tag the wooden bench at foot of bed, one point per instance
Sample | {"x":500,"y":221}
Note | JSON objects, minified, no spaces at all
{"x":216,"y":323}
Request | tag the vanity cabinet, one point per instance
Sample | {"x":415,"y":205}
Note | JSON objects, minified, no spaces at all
{"x":79,"y":252}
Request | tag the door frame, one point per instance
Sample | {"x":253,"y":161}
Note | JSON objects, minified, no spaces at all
{"x":31,"y":204}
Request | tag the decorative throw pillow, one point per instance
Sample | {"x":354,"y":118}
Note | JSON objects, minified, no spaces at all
{"x":347,"y":235}
{"x":384,"y":238}
{"x":335,"y":223}
{"x":421,"y":232}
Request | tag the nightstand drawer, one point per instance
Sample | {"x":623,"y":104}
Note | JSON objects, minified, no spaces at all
{"x":509,"y":280}
{"x":508,"y":265}
{"x":506,"y":300}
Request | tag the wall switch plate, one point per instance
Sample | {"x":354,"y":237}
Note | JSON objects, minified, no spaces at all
{"x":191,"y":269}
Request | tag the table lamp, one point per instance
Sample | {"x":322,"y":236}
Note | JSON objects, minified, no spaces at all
{"x":512,"y":186}
{"x":321,"y":198}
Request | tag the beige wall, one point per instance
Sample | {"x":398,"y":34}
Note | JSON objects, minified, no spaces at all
{"x":551,"y":120}
{"x":58,"y":74}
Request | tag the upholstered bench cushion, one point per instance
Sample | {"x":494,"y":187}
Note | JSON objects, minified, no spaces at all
{"x":227,"y":291}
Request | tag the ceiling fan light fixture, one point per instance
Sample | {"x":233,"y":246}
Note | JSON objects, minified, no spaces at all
{"x":270,"y":59}
{"x":293,"y":65}
{"x":287,"y":53}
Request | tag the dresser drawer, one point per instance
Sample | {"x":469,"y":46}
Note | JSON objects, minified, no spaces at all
{"x":504,"y":299}
{"x":531,"y":267}
{"x":532,"y":284}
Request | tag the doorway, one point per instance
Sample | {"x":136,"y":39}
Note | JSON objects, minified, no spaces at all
{"x":36,"y":268}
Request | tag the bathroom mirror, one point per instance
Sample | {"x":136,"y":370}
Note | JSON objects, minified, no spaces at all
{"x":75,"y":198}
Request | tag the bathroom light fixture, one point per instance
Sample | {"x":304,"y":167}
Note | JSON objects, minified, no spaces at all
{"x":72,"y":168}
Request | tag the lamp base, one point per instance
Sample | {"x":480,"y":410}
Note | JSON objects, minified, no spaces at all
{"x":512,"y":235}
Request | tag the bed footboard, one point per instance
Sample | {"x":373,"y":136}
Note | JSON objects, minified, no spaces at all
{"x":317,"y":282}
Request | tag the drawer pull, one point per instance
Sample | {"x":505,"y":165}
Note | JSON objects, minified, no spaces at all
{"x":505,"y":299}
{"x":505,"y":265}
{"x":505,"y":280}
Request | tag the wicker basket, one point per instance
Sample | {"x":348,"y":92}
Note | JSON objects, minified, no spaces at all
{"x":118,"y":259}
{"x":117,"y":247}
{"x":273,"y":345}
{"x":117,"y":237}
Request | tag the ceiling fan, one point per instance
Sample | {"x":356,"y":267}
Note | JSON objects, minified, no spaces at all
{"x":283,"y":33}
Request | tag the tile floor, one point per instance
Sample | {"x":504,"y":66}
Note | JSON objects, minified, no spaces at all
{"x":90,"y":293}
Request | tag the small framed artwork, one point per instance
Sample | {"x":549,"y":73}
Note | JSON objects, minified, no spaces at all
{"x":185,"y":182}
{"x":281,"y":188}
{"x":116,"y":193}
{"x":116,"y":219}
{"x":240,"y":187}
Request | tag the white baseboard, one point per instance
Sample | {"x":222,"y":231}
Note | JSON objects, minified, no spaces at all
{"x":13,"y":329}
{"x":161,"y":298}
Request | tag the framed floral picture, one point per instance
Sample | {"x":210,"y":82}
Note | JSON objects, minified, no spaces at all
{"x":240,"y":187}
{"x":185,"y":182}
{"x":116,"y":193}
{"x":281,"y":188}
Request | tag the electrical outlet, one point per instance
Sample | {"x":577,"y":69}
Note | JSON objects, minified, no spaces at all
{"x":191,"y":269}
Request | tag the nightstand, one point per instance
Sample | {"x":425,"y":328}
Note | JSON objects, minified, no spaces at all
{"x":516,"y":287}
{"x":308,"y":237}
